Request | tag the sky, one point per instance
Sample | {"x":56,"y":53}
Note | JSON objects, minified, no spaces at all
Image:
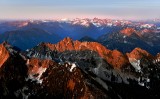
{"x":57,"y":9}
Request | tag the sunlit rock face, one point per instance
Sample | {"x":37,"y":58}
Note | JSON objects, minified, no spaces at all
{"x":13,"y":71}
{"x":3,"y":53}
{"x":128,"y":31}
{"x":22,"y":77}
{"x":114,"y":58}
{"x":74,"y":69}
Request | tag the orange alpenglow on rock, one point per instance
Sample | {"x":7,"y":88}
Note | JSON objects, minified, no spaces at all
{"x":35,"y":64}
{"x":128,"y":31}
{"x":71,"y":84}
{"x":117,"y":59}
{"x":138,"y":53}
{"x":114,"y":58}
{"x":69,"y":44}
{"x":4,"y":54}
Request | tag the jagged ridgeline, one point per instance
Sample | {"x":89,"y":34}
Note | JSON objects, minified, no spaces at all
{"x":74,"y":69}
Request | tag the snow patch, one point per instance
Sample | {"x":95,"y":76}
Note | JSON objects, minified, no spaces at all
{"x":27,"y":62}
{"x":124,"y":36}
{"x":144,"y":82}
{"x":41,"y":70}
{"x":96,"y":24}
{"x":141,"y":83}
{"x":135,"y":63}
{"x":125,"y":41}
{"x":72,"y":67}
{"x":148,"y":80}
{"x":81,"y":89}
{"x":156,"y":61}
{"x":22,"y":92}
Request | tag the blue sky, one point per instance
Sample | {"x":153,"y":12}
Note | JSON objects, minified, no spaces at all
{"x":50,"y":9}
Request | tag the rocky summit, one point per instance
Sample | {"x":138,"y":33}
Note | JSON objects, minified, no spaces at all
{"x":81,"y":70}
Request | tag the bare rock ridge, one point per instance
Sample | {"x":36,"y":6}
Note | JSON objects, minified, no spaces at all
{"x":3,"y":53}
{"x":28,"y":78}
{"x":138,"y":68}
{"x":46,"y":78}
{"x":128,"y":31}
{"x":131,"y":31}
{"x":138,"y":53}
{"x":63,"y":80}
{"x":114,"y":58}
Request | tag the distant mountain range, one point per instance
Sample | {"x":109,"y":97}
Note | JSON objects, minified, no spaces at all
{"x":129,"y":38}
{"x":25,"y":39}
{"x":122,"y":35}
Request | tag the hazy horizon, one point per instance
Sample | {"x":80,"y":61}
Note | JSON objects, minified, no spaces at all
{"x":57,"y":9}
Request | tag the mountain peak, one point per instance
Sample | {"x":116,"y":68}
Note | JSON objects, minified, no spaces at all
{"x":138,"y":53}
{"x":5,"y":43}
{"x":117,"y":59}
{"x":67,"y":39}
{"x":128,"y":31}
{"x":114,"y":58}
